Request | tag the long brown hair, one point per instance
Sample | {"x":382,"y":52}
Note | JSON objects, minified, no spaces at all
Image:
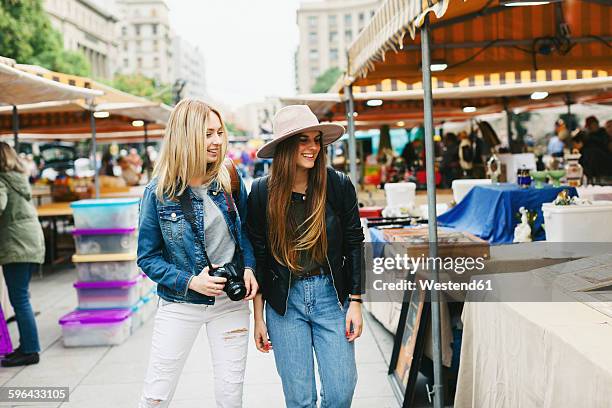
{"x":284,"y":237}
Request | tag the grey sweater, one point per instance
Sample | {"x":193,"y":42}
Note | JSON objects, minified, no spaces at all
{"x":219,"y":243}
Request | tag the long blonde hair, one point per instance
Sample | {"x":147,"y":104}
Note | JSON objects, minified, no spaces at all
{"x":9,"y":160}
{"x":285,"y":240}
{"x":183,"y":154}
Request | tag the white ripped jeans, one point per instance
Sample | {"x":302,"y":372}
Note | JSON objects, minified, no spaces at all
{"x":176,"y":327}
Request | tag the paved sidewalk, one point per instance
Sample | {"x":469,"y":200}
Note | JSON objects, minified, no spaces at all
{"x":112,"y":376}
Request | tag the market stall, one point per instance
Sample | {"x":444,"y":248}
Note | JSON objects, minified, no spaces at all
{"x":458,"y":39}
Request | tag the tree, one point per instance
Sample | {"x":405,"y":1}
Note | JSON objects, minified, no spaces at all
{"x":326,"y":80}
{"x":140,"y":85}
{"x":29,"y":38}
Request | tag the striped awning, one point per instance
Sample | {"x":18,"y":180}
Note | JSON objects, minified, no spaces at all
{"x":18,"y":86}
{"x":487,"y":93}
{"x":482,"y":36}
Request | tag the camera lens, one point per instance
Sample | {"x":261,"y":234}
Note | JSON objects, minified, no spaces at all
{"x":235,"y":290}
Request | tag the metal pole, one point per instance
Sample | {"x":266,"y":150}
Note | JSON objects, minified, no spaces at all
{"x":568,"y":101}
{"x":431,"y":211}
{"x":350,"y":120}
{"x":16,"y":128}
{"x":93,"y":154}
{"x":146,"y":161}
{"x":508,"y":123}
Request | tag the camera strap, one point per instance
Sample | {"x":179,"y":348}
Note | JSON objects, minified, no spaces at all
{"x":187,"y":208}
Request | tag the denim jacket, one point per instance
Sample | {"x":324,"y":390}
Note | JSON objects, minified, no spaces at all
{"x":167,"y":251}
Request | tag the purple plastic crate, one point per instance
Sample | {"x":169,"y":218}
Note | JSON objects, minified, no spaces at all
{"x":96,"y":327}
{"x":6,"y":346}
{"x":105,"y":241}
{"x":107,"y":294}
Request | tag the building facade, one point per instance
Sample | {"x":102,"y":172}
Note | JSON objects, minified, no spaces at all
{"x":256,"y":118}
{"x":145,"y":39}
{"x":88,"y":28}
{"x":327,"y":29}
{"x":189,"y":66}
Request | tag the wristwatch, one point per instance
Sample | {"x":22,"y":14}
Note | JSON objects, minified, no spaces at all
{"x":358,"y":300}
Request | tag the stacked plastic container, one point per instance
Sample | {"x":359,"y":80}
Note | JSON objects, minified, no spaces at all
{"x":114,"y":296}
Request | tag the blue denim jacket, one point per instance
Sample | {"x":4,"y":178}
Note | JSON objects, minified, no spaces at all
{"x":167,"y":252}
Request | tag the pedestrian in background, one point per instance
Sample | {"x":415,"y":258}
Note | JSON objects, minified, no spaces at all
{"x":304,"y":225}
{"x":22,"y":250}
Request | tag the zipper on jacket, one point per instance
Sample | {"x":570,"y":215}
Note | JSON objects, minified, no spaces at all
{"x":288,"y":290}
{"x":331,"y":272}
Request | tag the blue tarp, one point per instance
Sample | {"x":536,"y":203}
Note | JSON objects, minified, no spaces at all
{"x":489,"y":211}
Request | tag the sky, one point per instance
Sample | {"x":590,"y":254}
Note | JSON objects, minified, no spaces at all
{"x":248,"y":45}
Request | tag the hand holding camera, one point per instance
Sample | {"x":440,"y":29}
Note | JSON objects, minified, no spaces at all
{"x":206,"y":284}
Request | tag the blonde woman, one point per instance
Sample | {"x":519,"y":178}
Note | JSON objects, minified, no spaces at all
{"x":192,"y":243}
{"x":22,"y":249}
{"x":307,"y":237}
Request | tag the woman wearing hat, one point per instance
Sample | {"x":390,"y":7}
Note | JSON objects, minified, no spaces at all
{"x":306,"y":234}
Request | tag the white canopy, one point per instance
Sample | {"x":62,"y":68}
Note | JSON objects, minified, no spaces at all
{"x":18,"y":87}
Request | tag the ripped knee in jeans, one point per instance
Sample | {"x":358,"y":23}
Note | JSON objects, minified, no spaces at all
{"x":151,"y":402}
{"x":232,"y":334}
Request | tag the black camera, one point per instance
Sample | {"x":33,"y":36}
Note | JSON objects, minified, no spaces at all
{"x":234,"y":287}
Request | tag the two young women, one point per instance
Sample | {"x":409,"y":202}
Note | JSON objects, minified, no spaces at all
{"x":306,"y":242}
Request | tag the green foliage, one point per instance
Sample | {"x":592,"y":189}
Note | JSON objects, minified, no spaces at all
{"x":29,"y":38}
{"x":326,"y":80}
{"x":233,"y":130}
{"x":140,"y":85}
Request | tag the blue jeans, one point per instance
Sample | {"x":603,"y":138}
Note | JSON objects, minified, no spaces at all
{"x":314,"y":320}
{"x":17,"y":277}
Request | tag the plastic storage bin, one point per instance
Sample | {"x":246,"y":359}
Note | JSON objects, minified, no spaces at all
{"x":107,"y":295}
{"x":145,"y":285}
{"x":578,"y":223}
{"x":95,"y":327}
{"x":400,"y":194}
{"x":105,"y":241}
{"x":111,"y":267}
{"x":106,"y":213}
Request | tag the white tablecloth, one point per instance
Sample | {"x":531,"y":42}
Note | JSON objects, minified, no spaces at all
{"x":535,"y":355}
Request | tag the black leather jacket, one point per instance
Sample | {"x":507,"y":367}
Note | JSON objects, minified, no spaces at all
{"x":344,"y":242}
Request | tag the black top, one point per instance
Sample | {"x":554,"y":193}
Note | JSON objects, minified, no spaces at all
{"x":297,"y":212}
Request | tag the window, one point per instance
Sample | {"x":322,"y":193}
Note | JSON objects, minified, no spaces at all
{"x":314,"y":72}
{"x":333,"y":54}
{"x":126,"y":62}
{"x":125,"y":46}
{"x":313,"y":54}
{"x":139,"y":62}
{"x":156,"y":61}
{"x":312,"y":37}
{"x":138,"y":45}
{"x":137,"y":29}
{"x":361,"y":18}
{"x":348,"y":35}
{"x":154,"y":27}
{"x":332,"y":20}
{"x":155,"y":45}
{"x":124,"y":30}
{"x":333,"y":36}
{"x":372,"y":12}
{"x":312,"y":21}
{"x":153,"y":13}
{"x":348,"y":20}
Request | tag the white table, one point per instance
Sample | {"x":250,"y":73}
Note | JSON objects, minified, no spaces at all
{"x":527,"y":354}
